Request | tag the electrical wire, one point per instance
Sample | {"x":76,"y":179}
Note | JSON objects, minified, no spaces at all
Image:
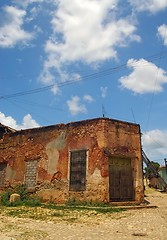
{"x":161,"y":54}
{"x":35,"y":104}
{"x":96,"y":75}
{"x":32,"y":112}
{"x":155,"y":84}
{"x":155,"y":57}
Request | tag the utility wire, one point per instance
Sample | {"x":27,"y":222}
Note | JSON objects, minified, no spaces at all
{"x":155,"y":57}
{"x":37,"y":90}
{"x":99,"y":74}
{"x":155,"y":84}
{"x":25,"y":110}
{"x":96,"y":75}
{"x":35,"y":104}
{"x":161,"y":54}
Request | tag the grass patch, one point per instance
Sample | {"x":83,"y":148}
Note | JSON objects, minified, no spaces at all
{"x":58,"y":213}
{"x":17,"y":212}
{"x":72,"y":208}
{"x":30,"y":206}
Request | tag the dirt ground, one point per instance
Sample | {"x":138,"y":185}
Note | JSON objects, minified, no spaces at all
{"x":144,"y":223}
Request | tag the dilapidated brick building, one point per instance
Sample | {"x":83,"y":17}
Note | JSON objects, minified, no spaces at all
{"x":91,"y":160}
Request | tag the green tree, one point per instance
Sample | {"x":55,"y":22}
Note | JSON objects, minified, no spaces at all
{"x":148,"y":172}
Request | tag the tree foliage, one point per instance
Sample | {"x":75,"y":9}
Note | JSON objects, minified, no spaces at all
{"x":148,"y":172}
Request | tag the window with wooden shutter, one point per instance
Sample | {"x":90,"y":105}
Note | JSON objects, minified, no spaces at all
{"x":78,"y":170}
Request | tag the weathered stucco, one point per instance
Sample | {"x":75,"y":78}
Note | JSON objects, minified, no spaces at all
{"x":51,"y":147}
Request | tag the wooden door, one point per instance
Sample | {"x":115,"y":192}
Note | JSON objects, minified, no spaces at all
{"x":120,"y":179}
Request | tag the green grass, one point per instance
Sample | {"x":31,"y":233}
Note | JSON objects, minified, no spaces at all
{"x":30,"y":206}
{"x":57,"y":213}
{"x":17,"y":212}
{"x":106,"y":209}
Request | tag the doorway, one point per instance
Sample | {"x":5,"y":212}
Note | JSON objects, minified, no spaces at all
{"x":120,"y":180}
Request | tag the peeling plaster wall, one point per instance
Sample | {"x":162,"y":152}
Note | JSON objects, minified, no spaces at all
{"x":51,"y":146}
{"x":124,"y":140}
{"x":52,"y":151}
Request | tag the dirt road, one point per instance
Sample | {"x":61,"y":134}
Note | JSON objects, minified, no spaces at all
{"x":145,"y":223}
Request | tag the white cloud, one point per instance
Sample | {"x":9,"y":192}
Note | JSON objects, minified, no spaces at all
{"x":155,"y":144}
{"x":8,"y":121}
{"x":152,"y":6}
{"x":146,"y":77}
{"x":86,"y":31}
{"x":33,"y":13}
{"x":11,"y":31}
{"x":28,"y":122}
{"x":88,"y":98}
{"x":55,"y":89}
{"x":47,"y":76}
{"x":103,"y":91}
{"x":75,"y":106}
{"x":162,"y":32}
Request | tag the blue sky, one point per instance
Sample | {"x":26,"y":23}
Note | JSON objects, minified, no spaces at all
{"x":85,"y":59}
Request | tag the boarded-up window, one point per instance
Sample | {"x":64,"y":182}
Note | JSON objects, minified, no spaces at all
{"x":78,"y":170}
{"x":2,"y":173}
{"x":31,"y":172}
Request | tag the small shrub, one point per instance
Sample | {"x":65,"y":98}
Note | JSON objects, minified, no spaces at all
{"x":32,"y":201}
{"x":22,"y":191}
{"x":5,"y":196}
{"x":25,"y":198}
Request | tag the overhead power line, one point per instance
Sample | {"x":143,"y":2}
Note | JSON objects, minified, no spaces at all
{"x":96,"y":75}
{"x":151,"y":57}
{"x":161,"y":54}
{"x":18,"y":94}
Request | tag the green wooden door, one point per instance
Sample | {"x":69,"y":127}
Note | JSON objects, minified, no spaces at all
{"x":120,"y":179}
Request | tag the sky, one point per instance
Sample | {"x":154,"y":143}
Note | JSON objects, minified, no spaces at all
{"x":69,"y":60}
